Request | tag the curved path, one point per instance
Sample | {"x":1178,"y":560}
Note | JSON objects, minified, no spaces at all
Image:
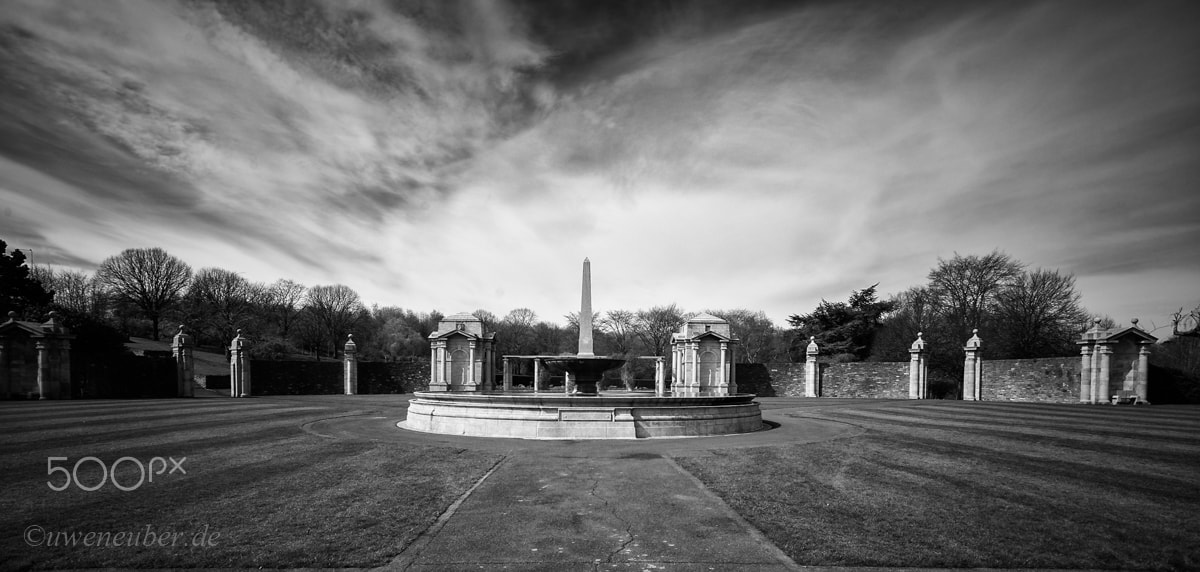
{"x":592,"y":505}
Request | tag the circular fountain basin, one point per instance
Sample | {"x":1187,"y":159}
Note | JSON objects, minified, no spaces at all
{"x":609,"y":415}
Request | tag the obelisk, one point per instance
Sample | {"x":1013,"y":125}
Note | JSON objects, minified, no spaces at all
{"x":585,"y":312}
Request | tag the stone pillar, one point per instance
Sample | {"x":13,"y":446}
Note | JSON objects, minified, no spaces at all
{"x":567,"y":383}
{"x":1085,"y":373}
{"x":812,"y":370}
{"x":723,"y":383}
{"x":43,"y":369}
{"x":507,"y":376}
{"x":674,"y":367}
{"x":239,"y":367}
{"x":1143,"y":372}
{"x":585,"y":312}
{"x":185,"y":368}
{"x":537,"y":375}
{"x":733,"y":388}
{"x":5,"y":378}
{"x":660,"y":378}
{"x":918,"y":370}
{"x":973,"y":369}
{"x":1103,"y":394}
{"x":472,"y":383}
{"x":350,"y":357}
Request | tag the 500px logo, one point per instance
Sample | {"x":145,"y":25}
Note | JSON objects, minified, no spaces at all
{"x":146,"y":472}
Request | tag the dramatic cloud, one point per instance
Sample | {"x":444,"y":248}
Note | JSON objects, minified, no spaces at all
{"x":469,"y":154}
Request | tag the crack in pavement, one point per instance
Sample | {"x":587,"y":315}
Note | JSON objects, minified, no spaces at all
{"x":628,"y":527}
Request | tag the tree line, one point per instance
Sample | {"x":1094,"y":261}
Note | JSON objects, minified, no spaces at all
{"x":1018,"y":311}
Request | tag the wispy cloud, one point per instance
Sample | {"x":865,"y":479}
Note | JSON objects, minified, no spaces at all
{"x":774,"y":156}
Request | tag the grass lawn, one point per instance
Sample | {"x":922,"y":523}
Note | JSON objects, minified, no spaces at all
{"x":274,"y":495}
{"x":954,"y":484}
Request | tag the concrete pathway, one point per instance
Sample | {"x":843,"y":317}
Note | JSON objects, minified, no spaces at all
{"x":641,"y":512}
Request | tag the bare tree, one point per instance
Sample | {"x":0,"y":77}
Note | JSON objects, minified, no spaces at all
{"x":283,"y":301}
{"x":966,"y":288}
{"x":621,"y":328}
{"x":1039,"y":315}
{"x":757,"y":334}
{"x":655,"y":326}
{"x":336,"y":310}
{"x":149,"y":278}
{"x":1186,"y":324}
{"x":220,"y":301}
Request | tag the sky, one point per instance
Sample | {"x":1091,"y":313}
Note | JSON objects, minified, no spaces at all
{"x":462,"y":155}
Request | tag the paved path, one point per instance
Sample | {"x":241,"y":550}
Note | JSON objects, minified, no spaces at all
{"x":590,"y":505}
{"x":564,"y":513}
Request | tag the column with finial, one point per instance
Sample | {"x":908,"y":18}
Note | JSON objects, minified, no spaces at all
{"x":185,"y":369}
{"x":350,"y":371}
{"x":812,"y":369}
{"x":5,"y":378}
{"x":918,"y":370}
{"x":973,"y":368}
{"x":239,"y":366}
{"x":507,"y":375}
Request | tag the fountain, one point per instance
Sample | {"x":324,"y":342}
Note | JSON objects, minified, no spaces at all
{"x":587,"y":413}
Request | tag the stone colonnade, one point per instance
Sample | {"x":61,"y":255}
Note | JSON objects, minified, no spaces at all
{"x":52,"y":370}
{"x":1114,"y":366}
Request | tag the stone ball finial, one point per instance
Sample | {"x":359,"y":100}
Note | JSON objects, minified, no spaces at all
{"x":181,"y":328}
{"x":975,"y":331}
{"x":239,"y":332}
{"x":919,"y":334}
{"x":1134,"y":321}
{"x":12,"y":315}
{"x":54,"y":314}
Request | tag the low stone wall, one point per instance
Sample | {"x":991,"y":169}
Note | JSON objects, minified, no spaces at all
{"x":268,"y":377}
{"x":1044,"y":380}
{"x":867,"y":379}
{"x":393,"y":377}
{"x":884,"y":380}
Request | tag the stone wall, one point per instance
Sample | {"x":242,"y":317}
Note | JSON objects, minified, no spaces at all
{"x":1044,"y":380}
{"x":884,"y":380}
{"x":269,"y":377}
{"x":771,"y":379}
{"x":880,"y":380}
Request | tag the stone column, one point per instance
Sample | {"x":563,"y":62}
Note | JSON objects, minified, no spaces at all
{"x":567,"y":383}
{"x":1143,"y":372}
{"x":43,"y":369}
{"x":5,"y":379}
{"x":674,"y":366}
{"x":1103,"y":394}
{"x":812,"y":370}
{"x":507,"y":376}
{"x":733,"y":388}
{"x":695,"y":366}
{"x":1085,"y":373}
{"x":185,"y":368}
{"x":537,"y":375}
{"x":472,"y":384}
{"x":724,"y":381}
{"x":660,"y":378}
{"x":973,"y":369}
{"x":917,"y":370}
{"x":350,"y":357}
{"x":239,"y":367}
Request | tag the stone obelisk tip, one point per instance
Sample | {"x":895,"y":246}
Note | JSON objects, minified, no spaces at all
{"x":585,"y":312}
